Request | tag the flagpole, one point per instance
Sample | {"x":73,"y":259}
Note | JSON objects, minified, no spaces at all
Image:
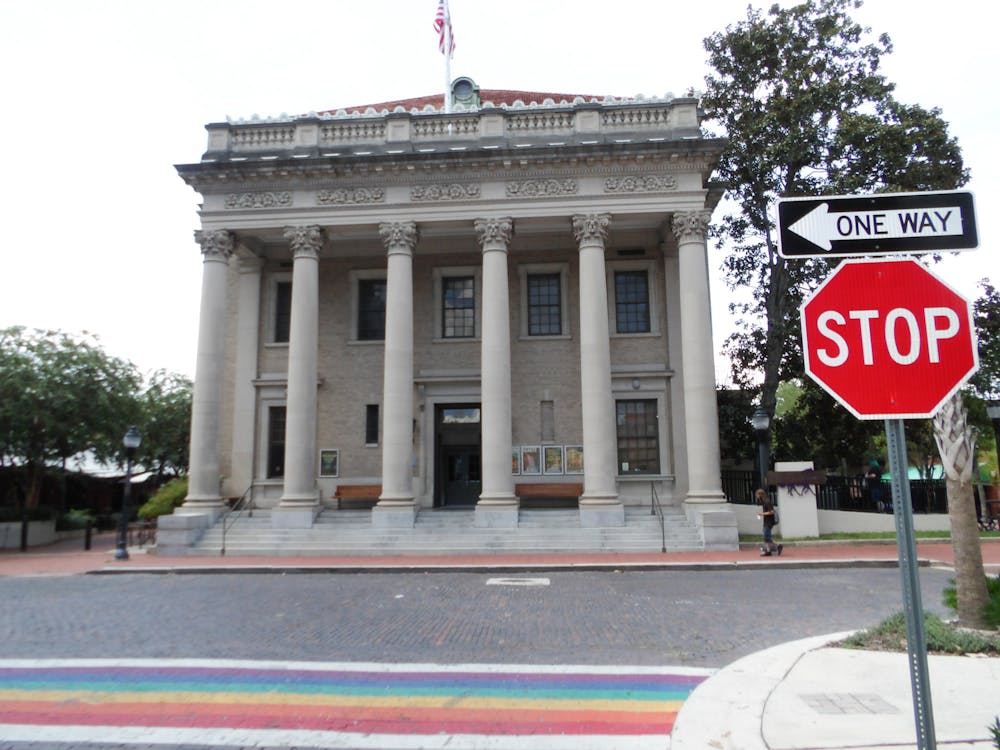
{"x":447,"y":58}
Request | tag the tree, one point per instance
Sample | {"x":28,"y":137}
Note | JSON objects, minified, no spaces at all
{"x":60,"y":396}
{"x":166,"y":424}
{"x":986,"y":316}
{"x":957,"y":446}
{"x":807,"y":112}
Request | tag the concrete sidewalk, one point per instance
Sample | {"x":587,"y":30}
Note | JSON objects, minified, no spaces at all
{"x":69,"y":558}
{"x":803,"y":694}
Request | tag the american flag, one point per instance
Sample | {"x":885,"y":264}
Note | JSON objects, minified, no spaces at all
{"x":440,"y":19}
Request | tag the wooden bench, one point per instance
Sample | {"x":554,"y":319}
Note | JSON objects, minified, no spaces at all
{"x":363,"y":495}
{"x":549,"y":494}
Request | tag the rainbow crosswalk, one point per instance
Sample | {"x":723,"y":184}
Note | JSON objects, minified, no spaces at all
{"x":342,"y":705}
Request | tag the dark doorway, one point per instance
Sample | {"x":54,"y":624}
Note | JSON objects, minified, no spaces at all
{"x":458,"y":481}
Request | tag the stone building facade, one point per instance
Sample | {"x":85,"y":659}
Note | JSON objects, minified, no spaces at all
{"x":445,"y":308}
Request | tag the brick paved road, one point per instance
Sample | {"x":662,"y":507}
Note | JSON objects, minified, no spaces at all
{"x":683,"y":618}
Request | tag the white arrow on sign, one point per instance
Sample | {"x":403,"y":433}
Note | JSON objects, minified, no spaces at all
{"x":821,"y":227}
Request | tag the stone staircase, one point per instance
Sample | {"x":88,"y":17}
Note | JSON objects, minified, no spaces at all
{"x":450,"y":532}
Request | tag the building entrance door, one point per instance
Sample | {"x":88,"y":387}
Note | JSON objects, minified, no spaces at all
{"x":458,"y":480}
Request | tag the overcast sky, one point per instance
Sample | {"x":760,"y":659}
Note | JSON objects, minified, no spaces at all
{"x":101,"y":99}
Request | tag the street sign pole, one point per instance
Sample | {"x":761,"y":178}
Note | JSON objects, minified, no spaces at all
{"x":913,"y":610}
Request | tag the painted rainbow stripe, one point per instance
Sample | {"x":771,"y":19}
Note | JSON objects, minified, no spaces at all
{"x":393,"y":700}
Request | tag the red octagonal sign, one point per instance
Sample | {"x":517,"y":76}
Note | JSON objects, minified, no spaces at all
{"x":888,"y":339}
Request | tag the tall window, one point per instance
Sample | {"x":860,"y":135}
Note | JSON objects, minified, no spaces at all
{"x":371,"y":424}
{"x":282,"y":311}
{"x":631,"y":302}
{"x":276,"y":441}
{"x":544,"y":304}
{"x":459,"y":307}
{"x":638,"y":437}
{"x":371,"y":309}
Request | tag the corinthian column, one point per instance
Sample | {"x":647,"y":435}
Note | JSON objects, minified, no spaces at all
{"x":204,"y":476}
{"x":599,"y":504}
{"x":497,"y":504}
{"x":396,"y":505}
{"x":701,"y":419}
{"x":299,"y":500}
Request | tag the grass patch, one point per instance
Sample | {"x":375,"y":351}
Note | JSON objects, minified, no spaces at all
{"x":941,"y":637}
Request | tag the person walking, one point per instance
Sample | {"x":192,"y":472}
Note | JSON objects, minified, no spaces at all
{"x":769,"y":518}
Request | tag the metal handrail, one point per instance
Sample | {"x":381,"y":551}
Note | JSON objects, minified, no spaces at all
{"x":244,"y":503}
{"x":657,"y":509}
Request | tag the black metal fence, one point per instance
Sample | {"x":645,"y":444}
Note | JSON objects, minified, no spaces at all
{"x":846,"y":493}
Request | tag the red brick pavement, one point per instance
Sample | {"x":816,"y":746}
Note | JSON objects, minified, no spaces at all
{"x":69,"y":558}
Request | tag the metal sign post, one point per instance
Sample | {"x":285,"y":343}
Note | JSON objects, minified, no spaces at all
{"x":913,"y":610}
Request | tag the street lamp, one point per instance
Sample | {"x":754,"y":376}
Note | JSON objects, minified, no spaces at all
{"x":761,"y":422}
{"x":131,"y":441}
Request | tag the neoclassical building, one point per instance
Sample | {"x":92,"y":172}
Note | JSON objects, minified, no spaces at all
{"x":457,"y":309}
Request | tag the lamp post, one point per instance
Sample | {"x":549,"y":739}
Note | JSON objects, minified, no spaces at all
{"x":131,"y":441}
{"x":761,"y":422}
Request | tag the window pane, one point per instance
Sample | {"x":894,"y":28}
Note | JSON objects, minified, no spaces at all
{"x":544,"y":305}
{"x":631,"y":302}
{"x":282,"y":311}
{"x":276,"y":441}
{"x":371,"y":309}
{"x":638,"y":437}
{"x":459,"y":307}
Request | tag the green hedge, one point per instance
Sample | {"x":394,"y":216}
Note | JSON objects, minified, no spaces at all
{"x":168,"y":497}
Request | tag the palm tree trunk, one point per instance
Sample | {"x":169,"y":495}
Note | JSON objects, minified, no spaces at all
{"x":957,"y":445}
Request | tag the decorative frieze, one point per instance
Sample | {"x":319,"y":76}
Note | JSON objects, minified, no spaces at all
{"x":350,"y":196}
{"x":495,"y":230}
{"x":305,"y":241}
{"x":644,"y":184}
{"x":216,"y":244}
{"x":259,"y":200}
{"x":454,"y":191}
{"x":591,"y":227}
{"x":541,"y":188}
{"x":691,"y":225}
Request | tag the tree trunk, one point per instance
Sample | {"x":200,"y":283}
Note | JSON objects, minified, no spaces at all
{"x":957,"y":446}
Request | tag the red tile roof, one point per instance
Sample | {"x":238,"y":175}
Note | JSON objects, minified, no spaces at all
{"x":496,"y":96}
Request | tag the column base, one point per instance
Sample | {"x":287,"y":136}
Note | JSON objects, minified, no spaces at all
{"x":497,"y":514}
{"x":594,"y":513}
{"x":394,"y":514}
{"x":203,"y":503}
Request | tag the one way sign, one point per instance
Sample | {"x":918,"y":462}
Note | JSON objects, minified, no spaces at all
{"x":884,"y":224}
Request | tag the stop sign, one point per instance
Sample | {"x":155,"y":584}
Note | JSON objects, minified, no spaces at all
{"x":888,"y":339}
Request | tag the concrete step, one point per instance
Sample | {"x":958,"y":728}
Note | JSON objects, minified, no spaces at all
{"x":435,"y":532}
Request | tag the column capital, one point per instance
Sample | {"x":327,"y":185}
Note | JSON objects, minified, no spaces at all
{"x":305,"y":241}
{"x":216,"y":244}
{"x":495,"y":230}
{"x":691,"y":225}
{"x":591,"y":227}
{"x":398,"y":236}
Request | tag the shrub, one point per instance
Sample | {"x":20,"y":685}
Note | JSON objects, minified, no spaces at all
{"x":992,"y":611}
{"x":168,"y":497}
{"x":74,"y":519}
{"x":941,"y":638}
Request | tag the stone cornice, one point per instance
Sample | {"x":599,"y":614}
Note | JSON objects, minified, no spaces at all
{"x":619,"y":160}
